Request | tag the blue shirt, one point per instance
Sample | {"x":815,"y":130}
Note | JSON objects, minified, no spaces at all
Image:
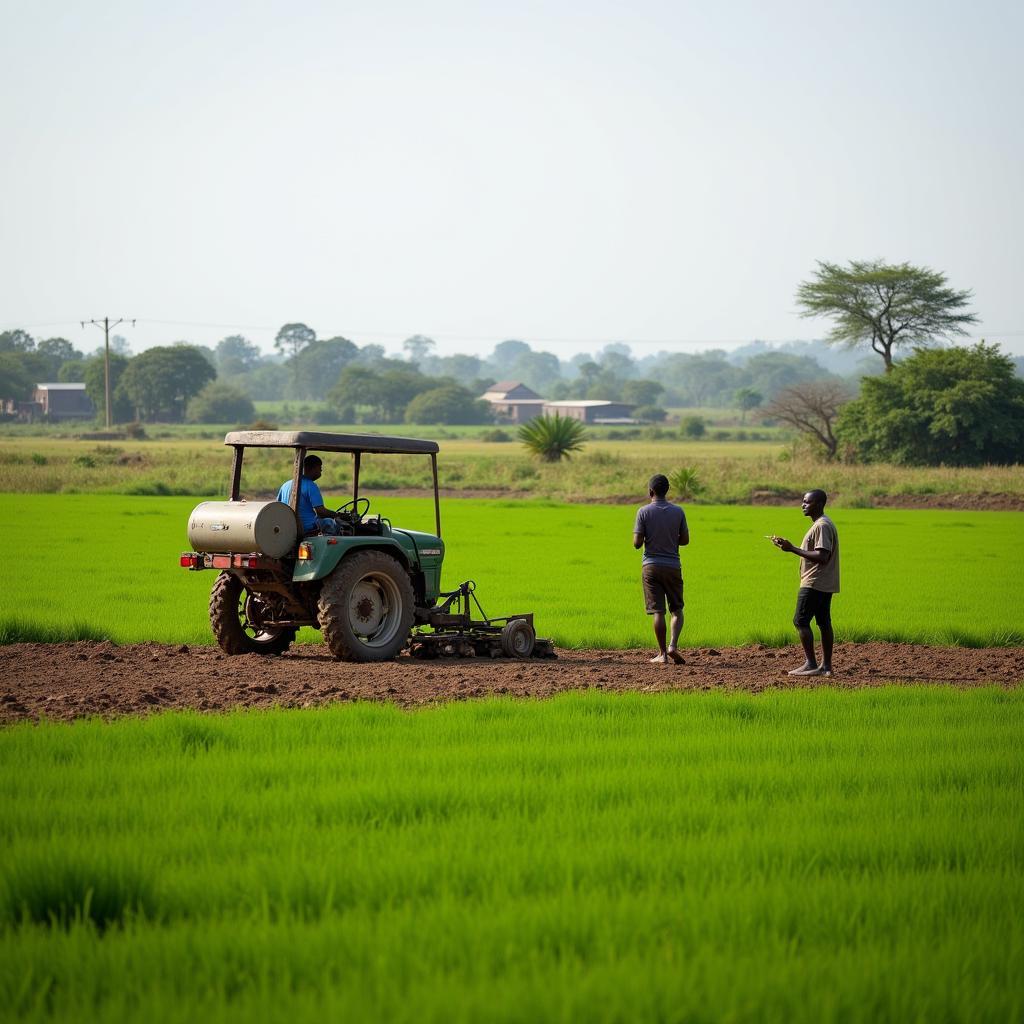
{"x":660,"y":523}
{"x":310,"y":499}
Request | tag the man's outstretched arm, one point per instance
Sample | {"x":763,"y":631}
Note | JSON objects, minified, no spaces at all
{"x":818,"y":555}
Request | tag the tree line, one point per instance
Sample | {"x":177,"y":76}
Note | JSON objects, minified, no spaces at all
{"x":958,"y":405}
{"x":363,"y":384}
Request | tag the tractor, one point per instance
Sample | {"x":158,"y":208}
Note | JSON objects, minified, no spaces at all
{"x":373,"y":590}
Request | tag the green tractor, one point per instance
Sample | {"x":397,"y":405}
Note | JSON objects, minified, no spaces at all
{"x":367,"y":589}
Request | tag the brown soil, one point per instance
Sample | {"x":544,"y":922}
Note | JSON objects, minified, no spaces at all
{"x":982,"y":502}
{"x":66,"y":681}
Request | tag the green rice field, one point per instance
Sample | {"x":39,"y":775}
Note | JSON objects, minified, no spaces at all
{"x":795,"y":856}
{"x":92,"y":566}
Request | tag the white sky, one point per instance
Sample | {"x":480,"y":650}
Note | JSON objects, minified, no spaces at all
{"x":564,"y":173}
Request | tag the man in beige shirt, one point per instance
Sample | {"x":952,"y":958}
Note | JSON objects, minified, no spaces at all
{"x":819,"y":580}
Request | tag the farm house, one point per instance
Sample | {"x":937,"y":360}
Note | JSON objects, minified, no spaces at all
{"x":514,"y":402}
{"x":591,"y":411}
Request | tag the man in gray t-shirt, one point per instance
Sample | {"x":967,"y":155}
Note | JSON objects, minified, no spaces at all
{"x":661,"y":530}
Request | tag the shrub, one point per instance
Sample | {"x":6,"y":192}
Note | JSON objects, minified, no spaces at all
{"x":220,"y":403}
{"x":955,"y":406}
{"x":497,"y":436}
{"x":450,"y":403}
{"x":693,"y":427}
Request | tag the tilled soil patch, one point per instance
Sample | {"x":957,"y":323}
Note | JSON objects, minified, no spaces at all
{"x":66,"y":681}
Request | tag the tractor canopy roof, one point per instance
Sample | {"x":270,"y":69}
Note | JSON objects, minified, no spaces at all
{"x":316,"y":441}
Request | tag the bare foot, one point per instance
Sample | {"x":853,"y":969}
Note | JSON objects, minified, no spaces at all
{"x":676,"y":656}
{"x":805,"y":670}
{"x":659,"y":659}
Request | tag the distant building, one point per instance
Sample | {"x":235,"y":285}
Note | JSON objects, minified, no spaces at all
{"x":591,"y":410}
{"x":63,"y":402}
{"x":513,"y":402}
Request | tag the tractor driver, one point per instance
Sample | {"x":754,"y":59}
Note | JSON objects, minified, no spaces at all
{"x":315,"y":516}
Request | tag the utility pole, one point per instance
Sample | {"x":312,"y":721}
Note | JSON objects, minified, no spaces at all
{"x":106,"y":325}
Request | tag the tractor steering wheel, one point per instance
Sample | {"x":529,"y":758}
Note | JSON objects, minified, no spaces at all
{"x":354,"y":510}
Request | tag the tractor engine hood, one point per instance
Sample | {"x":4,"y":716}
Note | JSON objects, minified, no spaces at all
{"x":428,"y":546}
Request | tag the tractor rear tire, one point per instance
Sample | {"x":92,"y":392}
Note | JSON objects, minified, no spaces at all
{"x":366,"y":607}
{"x":517,"y":639}
{"x":229,"y":602}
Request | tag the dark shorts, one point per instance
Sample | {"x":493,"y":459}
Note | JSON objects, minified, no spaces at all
{"x":813,"y":604}
{"x":662,"y":583}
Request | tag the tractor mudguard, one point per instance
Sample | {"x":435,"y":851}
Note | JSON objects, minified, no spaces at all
{"x":326,"y":552}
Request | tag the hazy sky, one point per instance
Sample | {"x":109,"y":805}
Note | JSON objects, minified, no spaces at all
{"x":565,"y":173}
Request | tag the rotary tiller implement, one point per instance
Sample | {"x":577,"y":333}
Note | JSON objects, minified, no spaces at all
{"x":453,"y":632}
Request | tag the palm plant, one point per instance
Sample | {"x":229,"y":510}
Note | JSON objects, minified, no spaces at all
{"x":684,"y":484}
{"x":553,"y":438}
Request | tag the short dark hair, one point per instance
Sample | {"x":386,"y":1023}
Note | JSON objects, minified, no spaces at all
{"x":312,"y":460}
{"x":818,"y":495}
{"x":658,"y":484}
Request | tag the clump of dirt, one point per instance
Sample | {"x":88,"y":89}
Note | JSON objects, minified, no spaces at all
{"x":67,"y":681}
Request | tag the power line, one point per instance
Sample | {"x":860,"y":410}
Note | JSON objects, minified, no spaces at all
{"x":106,"y":353}
{"x":494,"y":338}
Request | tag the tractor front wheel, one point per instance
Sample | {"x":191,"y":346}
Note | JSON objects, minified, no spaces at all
{"x":366,"y":607}
{"x":235,"y":622}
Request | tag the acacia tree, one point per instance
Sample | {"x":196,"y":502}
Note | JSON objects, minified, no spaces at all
{"x":885,"y":305}
{"x":812,"y":407}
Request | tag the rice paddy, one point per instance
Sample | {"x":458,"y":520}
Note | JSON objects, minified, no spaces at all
{"x":102,"y":566}
{"x":799,"y":856}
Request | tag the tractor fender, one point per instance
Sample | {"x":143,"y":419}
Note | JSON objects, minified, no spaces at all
{"x":327,"y":552}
